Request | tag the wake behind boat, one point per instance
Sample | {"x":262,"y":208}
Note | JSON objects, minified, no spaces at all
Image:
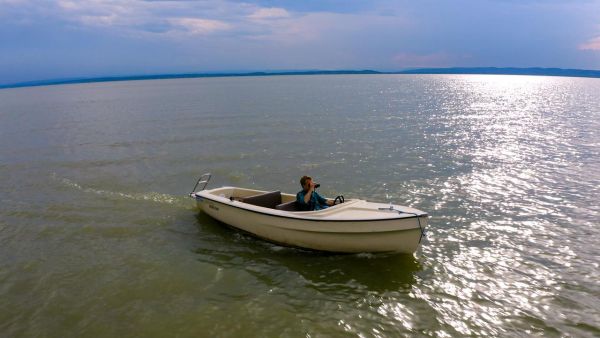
{"x":352,"y":225}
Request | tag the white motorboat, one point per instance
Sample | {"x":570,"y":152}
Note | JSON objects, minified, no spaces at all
{"x":351,"y":225}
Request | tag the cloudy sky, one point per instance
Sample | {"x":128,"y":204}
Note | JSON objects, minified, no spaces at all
{"x":45,"y":39}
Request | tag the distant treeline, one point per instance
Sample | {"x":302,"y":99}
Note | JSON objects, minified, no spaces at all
{"x":506,"y":71}
{"x":480,"y":70}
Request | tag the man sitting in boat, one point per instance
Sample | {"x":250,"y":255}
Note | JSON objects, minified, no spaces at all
{"x":308,"y":199}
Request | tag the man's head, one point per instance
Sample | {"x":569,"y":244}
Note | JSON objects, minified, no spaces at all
{"x":305,"y":182}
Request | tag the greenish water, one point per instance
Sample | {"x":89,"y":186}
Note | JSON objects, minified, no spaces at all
{"x":98,"y":238}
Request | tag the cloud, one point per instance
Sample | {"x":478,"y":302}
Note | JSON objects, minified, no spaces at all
{"x":326,"y":30}
{"x":244,"y":21}
{"x":269,"y":13}
{"x":122,"y":16}
{"x":13,"y":2}
{"x":259,"y":34}
{"x":199,"y":26}
{"x":593,"y":44}
{"x":147,"y":18}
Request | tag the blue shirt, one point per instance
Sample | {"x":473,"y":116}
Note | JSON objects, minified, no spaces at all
{"x":316,"y":202}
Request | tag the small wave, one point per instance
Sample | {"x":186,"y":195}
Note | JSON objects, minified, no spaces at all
{"x":148,"y":196}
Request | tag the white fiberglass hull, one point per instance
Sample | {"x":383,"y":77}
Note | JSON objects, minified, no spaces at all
{"x":354,"y":226}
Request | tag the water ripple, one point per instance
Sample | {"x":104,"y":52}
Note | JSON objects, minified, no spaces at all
{"x":98,"y":238}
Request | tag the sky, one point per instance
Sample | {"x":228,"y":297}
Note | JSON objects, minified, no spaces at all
{"x":45,"y":39}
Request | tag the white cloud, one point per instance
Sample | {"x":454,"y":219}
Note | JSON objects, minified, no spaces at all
{"x":199,"y":26}
{"x":592,"y":44}
{"x":269,"y":13}
{"x":185,"y":19}
{"x":148,"y":18}
{"x":104,"y":8}
{"x":98,"y":20}
{"x":69,"y":5}
{"x":124,"y":15}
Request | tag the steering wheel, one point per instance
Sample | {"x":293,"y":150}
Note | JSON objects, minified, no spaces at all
{"x":339,"y":198}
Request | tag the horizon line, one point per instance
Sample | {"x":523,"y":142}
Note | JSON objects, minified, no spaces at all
{"x":535,"y":71}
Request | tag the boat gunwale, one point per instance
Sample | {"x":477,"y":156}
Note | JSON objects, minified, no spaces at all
{"x":299,"y":217}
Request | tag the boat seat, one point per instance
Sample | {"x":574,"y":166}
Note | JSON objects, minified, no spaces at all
{"x":267,"y":200}
{"x":289,"y":206}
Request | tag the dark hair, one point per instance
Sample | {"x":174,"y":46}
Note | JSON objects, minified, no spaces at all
{"x":304,"y":179}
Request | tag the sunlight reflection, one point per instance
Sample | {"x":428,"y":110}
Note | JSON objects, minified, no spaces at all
{"x":504,"y":250}
{"x":399,"y":312}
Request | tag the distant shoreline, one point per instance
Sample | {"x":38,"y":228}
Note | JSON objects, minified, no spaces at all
{"x":456,"y":70}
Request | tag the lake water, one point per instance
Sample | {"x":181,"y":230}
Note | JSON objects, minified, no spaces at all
{"x":98,"y":237}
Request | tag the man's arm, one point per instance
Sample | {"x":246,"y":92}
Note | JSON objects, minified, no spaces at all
{"x":303,"y":197}
{"x":323,"y":200}
{"x":308,"y":195}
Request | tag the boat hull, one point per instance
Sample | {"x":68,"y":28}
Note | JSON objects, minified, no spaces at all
{"x":345,"y":236}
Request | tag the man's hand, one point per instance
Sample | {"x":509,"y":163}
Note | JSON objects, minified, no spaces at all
{"x":308,"y":195}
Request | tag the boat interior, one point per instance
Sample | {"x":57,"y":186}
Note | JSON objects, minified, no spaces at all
{"x":351,"y":209}
{"x":265,"y":199}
